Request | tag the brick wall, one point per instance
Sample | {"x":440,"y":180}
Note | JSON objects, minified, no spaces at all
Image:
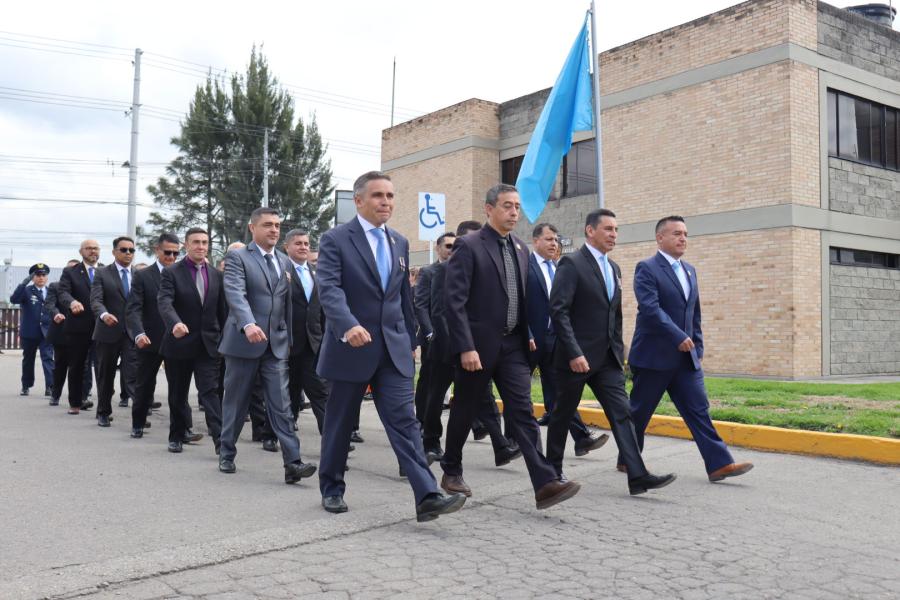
{"x":519,"y":116}
{"x":863,"y":190}
{"x":865,"y":320}
{"x":472,"y":117}
{"x":738,"y":30}
{"x":855,"y":40}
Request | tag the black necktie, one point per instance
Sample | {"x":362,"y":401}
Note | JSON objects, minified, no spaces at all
{"x":273,"y":274}
{"x":512,"y":288}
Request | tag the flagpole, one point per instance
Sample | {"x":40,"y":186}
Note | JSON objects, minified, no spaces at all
{"x":595,"y":62}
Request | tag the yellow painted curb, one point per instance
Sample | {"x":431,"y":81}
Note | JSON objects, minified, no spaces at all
{"x":762,"y":437}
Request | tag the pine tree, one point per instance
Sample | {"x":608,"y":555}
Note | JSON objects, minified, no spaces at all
{"x":216,"y":179}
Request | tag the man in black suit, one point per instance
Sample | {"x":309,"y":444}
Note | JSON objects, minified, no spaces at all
{"x":145,"y":328}
{"x":541,"y":273}
{"x":422,"y":295}
{"x":192,"y":306}
{"x":307,"y":321}
{"x":109,"y":292}
{"x":488,"y":330}
{"x":487,"y":422}
{"x":56,"y":336}
{"x":586,"y":308}
{"x":74,"y":292}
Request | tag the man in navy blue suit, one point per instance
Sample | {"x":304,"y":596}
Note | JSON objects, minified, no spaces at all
{"x":667,"y":348}
{"x":541,"y":273}
{"x":369,"y":337}
{"x":35,"y":323}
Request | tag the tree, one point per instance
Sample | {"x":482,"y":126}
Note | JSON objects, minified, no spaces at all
{"x":216,"y":179}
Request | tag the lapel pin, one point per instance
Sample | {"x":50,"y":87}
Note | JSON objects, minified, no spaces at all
{"x":518,"y":247}
{"x":689,"y":273}
{"x":392,"y":240}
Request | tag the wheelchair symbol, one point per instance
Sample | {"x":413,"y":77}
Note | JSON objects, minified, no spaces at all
{"x":432,"y":212}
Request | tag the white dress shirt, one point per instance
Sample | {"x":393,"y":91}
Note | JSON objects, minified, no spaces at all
{"x":680,"y":273}
{"x":605,"y":268}
{"x":372,"y":238}
{"x":275,"y":260}
{"x":119,"y":269}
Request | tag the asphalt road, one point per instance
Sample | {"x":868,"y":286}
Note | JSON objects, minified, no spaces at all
{"x":89,"y":512}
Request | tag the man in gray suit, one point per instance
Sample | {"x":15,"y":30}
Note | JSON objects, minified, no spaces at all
{"x":257,"y":339}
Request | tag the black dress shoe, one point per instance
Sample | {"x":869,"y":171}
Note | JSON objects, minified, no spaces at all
{"x":649,"y":482}
{"x":592,"y":442}
{"x":480,"y":433}
{"x":218,"y":446}
{"x":226,"y":466}
{"x":270,"y":445}
{"x":304,"y":405}
{"x":351,"y":448}
{"x":295,"y":471}
{"x":437,"y":504}
{"x":48,"y":392}
{"x":544,"y":420}
{"x":137,"y":433}
{"x":434,"y":455}
{"x":156,"y":405}
{"x":23,"y":392}
{"x":54,"y":401}
{"x":123,"y":403}
{"x":334,"y":504}
{"x":356,"y":438}
{"x":87,"y":405}
{"x":103,"y":421}
{"x":506,"y":455}
{"x":146,"y":424}
{"x":175,"y":446}
{"x":190,"y":437}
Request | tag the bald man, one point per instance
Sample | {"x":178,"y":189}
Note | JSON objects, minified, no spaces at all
{"x":74,"y":293}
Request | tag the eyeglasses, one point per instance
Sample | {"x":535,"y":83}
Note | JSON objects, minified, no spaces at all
{"x":126,"y":250}
{"x":171,"y":252}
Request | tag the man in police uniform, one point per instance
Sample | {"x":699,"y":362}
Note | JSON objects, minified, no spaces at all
{"x":30,"y":296}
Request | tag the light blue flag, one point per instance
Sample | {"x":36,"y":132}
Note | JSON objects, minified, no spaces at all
{"x":568,"y":109}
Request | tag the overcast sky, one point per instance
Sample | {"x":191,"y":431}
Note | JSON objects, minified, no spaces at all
{"x":60,"y":161}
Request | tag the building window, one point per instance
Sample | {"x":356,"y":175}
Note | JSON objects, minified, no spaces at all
{"x":580,"y":170}
{"x":509,"y":169}
{"x":863,"y":131}
{"x":864,"y":258}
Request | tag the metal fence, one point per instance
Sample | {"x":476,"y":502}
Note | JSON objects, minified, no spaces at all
{"x":9,"y":329}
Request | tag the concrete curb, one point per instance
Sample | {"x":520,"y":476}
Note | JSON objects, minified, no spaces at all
{"x":880,"y":450}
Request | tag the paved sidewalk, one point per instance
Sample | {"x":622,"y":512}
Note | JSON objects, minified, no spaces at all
{"x":88,"y":512}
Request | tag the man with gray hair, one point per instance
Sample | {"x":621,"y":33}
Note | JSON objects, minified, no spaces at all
{"x":486,"y":318}
{"x":257,"y":339}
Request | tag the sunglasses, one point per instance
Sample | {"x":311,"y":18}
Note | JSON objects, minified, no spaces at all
{"x":448,"y":246}
{"x":126,"y":250}
{"x":171,"y":252}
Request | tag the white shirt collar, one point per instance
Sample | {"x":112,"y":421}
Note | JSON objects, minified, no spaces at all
{"x":120,"y":267}
{"x":298,"y":265}
{"x":596,"y":253}
{"x":669,"y":258}
{"x":159,"y":266}
{"x":367,"y":227}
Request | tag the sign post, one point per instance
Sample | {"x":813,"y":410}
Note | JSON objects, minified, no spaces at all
{"x":432,"y":219}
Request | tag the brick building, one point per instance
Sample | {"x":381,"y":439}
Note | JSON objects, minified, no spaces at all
{"x":772,"y":126}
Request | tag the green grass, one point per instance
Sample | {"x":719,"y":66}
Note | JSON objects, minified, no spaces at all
{"x":865,"y":409}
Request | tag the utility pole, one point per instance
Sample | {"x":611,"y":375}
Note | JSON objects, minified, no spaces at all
{"x":265,"y":199}
{"x":598,"y":147}
{"x":133,"y":159}
{"x":393,"y":89}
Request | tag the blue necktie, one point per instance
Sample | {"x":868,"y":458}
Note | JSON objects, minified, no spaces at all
{"x":550,"y":269}
{"x":682,"y":279}
{"x":382,"y":257}
{"x":305,"y":280}
{"x":607,"y":277}
{"x":91,"y":274}
{"x":125,"y":285}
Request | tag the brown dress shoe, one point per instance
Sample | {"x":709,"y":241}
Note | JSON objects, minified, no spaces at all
{"x":555,"y":492}
{"x":621,"y":468}
{"x":455,"y":484}
{"x":732,"y":470}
